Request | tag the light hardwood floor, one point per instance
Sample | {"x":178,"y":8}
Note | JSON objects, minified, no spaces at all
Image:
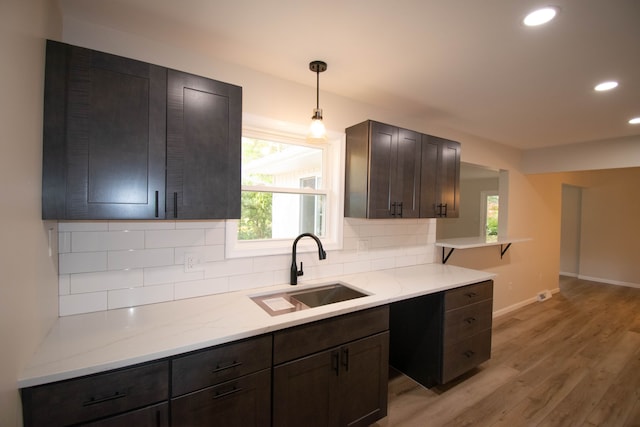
{"x":572,"y":360}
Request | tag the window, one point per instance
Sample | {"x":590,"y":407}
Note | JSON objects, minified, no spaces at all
{"x":289,"y":187}
{"x":489,"y":210}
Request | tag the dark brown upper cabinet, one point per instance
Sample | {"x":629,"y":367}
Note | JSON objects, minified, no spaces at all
{"x":107,"y":153}
{"x":203,"y":147}
{"x":440,"y":178}
{"x":382,"y":171}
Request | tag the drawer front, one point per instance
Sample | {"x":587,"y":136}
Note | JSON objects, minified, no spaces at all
{"x":466,"y":321}
{"x":151,"y":416}
{"x":213,"y":366}
{"x":243,"y":402}
{"x":466,"y":295}
{"x":96,"y":396}
{"x":306,"y":339}
{"x":465,"y":355}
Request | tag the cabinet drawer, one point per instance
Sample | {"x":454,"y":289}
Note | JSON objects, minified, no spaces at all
{"x":151,"y":416}
{"x":466,"y":295}
{"x":306,"y":339}
{"x":96,"y":396}
{"x":243,"y":402}
{"x":466,"y":321}
{"x":213,"y":366}
{"x":465,"y":355}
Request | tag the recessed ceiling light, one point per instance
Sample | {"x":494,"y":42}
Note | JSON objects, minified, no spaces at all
{"x":540,"y":16}
{"x":635,"y":121}
{"x":606,"y":86}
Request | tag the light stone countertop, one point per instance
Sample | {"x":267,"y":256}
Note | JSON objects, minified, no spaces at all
{"x":96,"y":342}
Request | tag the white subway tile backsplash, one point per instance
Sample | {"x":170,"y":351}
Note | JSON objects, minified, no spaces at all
{"x":200,"y":288}
{"x":105,"y":280}
{"x":172,"y":274}
{"x":141,"y":225}
{"x":253,"y":280}
{"x":64,"y":242}
{"x":184,"y":225}
{"x":64,"y":286}
{"x":113,"y":264}
{"x":139,"y":296}
{"x":83,"y":226}
{"x":82,"y":303}
{"x":215,"y":236}
{"x":119,"y":260}
{"x":82,"y":262}
{"x":231,"y":267}
{"x":174,"y":238}
{"x":90,"y":241}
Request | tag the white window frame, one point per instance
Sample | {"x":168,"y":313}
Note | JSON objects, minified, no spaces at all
{"x":333,"y":178}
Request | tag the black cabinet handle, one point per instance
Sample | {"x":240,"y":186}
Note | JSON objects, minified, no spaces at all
{"x":469,"y":353}
{"x":471,"y":294}
{"x":335,"y":362}
{"x":400,"y":205}
{"x":393,"y":210}
{"x":95,"y":401}
{"x":221,"y":394}
{"x":345,"y":359}
{"x":470,"y":320}
{"x":223,"y":368}
{"x":157,"y":198}
{"x":445,"y":210}
{"x":175,"y":204}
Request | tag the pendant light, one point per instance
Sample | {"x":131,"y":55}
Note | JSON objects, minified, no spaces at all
{"x":317,"y":131}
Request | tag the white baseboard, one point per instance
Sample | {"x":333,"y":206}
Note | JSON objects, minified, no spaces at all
{"x":609,"y":282}
{"x":520,"y":304}
{"x":564,"y":273}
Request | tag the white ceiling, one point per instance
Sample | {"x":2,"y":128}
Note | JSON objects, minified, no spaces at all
{"x":469,"y":65}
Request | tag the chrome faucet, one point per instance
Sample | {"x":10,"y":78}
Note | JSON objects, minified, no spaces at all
{"x":294,"y":265}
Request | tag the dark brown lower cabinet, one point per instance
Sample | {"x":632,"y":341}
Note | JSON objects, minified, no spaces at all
{"x":436,"y":338}
{"x":344,"y":385}
{"x":117,"y":394}
{"x":243,"y":402}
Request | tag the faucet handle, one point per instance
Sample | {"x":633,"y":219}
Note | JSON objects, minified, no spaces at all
{"x":300,"y":272}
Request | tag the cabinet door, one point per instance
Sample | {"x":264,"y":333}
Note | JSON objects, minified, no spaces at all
{"x":440,"y":178}
{"x":203,"y":148}
{"x":449,"y":178}
{"x":104,"y":136}
{"x":243,"y":402}
{"x":306,"y":391}
{"x":363,"y":380}
{"x":406,"y":177}
{"x":429,"y":178}
{"x":383,"y":160}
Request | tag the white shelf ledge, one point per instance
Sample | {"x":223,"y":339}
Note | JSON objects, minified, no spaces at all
{"x":477,"y":242}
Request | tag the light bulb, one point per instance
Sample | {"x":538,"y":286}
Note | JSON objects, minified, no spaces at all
{"x":317,"y":130}
{"x":540,"y":16}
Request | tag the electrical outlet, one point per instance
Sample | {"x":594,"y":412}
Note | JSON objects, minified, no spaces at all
{"x":363,"y":246}
{"x":192,"y":262}
{"x":544,"y":295}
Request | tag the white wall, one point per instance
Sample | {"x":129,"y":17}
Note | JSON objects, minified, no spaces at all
{"x":570,"y":230}
{"x":28,"y":288}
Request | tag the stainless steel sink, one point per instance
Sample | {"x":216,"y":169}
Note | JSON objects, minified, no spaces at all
{"x":287,"y":302}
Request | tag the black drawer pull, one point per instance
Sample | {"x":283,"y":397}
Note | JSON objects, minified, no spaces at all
{"x":221,"y":394}
{"x":335,"y":362}
{"x":222,"y":368}
{"x":471,"y":294}
{"x":470,"y":320}
{"x":469,"y":353}
{"x":95,"y":401}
